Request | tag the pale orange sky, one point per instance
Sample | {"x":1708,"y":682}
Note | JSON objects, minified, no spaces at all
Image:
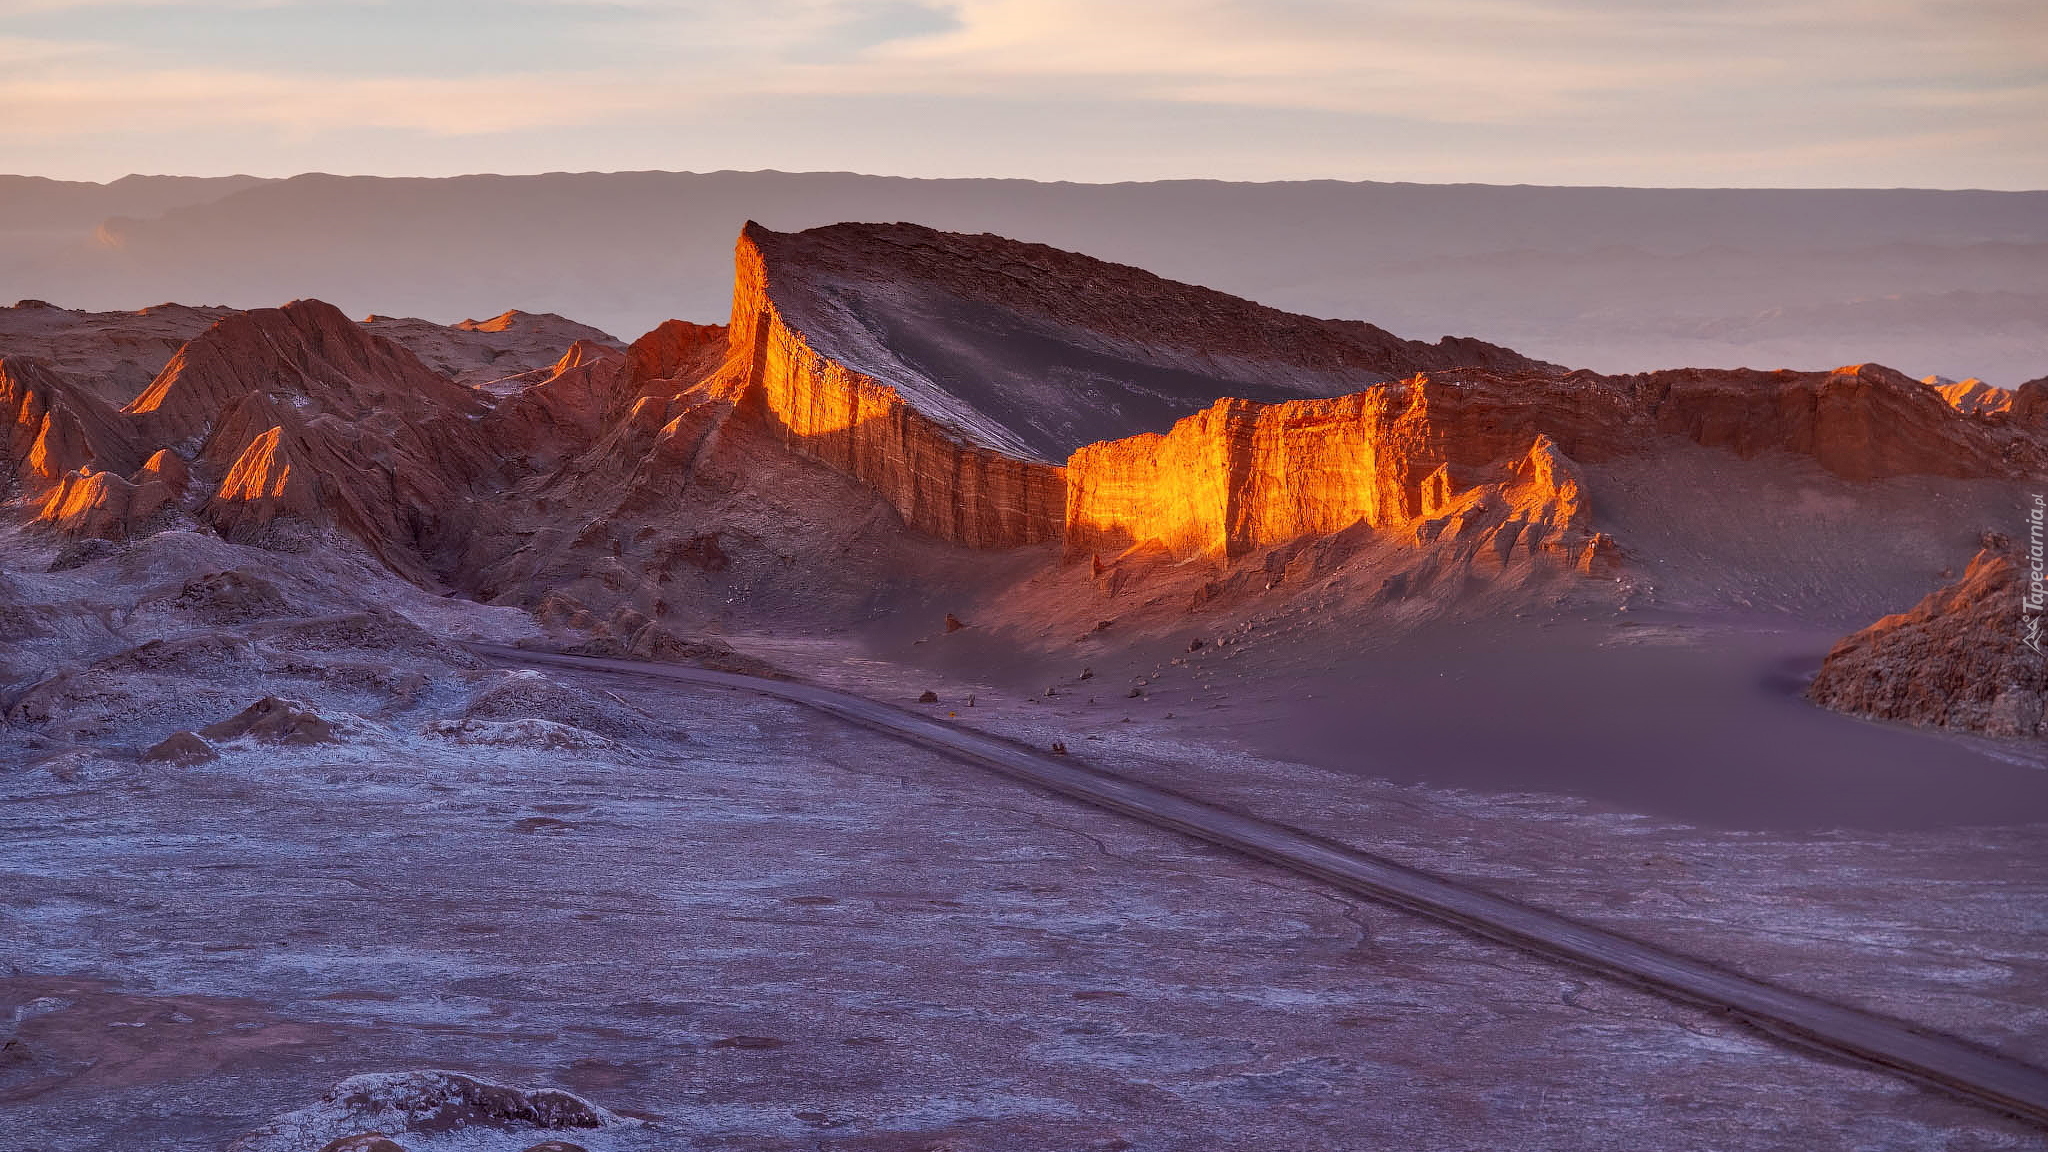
{"x":1930,"y":93}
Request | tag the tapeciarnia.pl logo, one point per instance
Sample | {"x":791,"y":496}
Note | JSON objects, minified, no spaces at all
{"x":2035,"y":600}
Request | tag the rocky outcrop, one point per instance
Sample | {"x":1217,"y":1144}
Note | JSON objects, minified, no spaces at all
{"x":430,"y":1105}
{"x":1967,"y":657}
{"x":592,"y":387}
{"x":511,"y":349}
{"x":112,"y":355}
{"x":957,"y":491}
{"x":273,"y":720}
{"x":54,"y":427}
{"x":103,"y":506}
{"x":266,"y":480}
{"x":307,"y":356}
{"x":304,"y":414}
{"x":849,"y":340}
{"x":2029,"y":407}
{"x":1972,"y":396}
{"x":563,"y":413}
{"x":1862,"y":422}
{"x":1243,"y":476}
{"x":677,"y":351}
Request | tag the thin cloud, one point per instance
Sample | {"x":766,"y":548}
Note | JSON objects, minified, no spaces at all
{"x":1740,"y":85}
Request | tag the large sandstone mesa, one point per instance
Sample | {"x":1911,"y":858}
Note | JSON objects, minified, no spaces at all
{"x":932,"y":472}
{"x":949,"y":372}
{"x":1415,"y":455}
{"x":1445,"y":449}
{"x":1034,"y":351}
{"x":1959,"y":659}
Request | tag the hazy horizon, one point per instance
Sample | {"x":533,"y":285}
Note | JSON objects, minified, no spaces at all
{"x":222,"y":175}
{"x":1823,"y":93}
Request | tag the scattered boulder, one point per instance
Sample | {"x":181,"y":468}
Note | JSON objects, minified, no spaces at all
{"x":953,"y":623}
{"x":390,"y":1106}
{"x":231,"y":597}
{"x":363,"y":1142}
{"x":273,"y":720}
{"x":375,"y":630}
{"x":78,"y":553}
{"x":181,"y":748}
{"x":525,"y":732}
{"x":206,"y":652}
{"x":529,"y":695}
{"x":928,"y":697}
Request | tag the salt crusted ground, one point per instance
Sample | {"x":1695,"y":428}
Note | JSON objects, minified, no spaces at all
{"x":750,"y":927}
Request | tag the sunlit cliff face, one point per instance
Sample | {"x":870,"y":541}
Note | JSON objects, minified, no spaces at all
{"x":299,"y":411}
{"x":1479,"y":455}
{"x":958,"y":492}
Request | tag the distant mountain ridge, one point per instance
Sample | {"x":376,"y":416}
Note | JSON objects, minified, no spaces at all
{"x":1934,"y":282}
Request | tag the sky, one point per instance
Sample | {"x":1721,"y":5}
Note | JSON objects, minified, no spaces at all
{"x":1739,"y":93}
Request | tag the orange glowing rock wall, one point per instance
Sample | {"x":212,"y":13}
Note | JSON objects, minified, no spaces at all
{"x":958,"y":492}
{"x":1239,"y":475}
{"x":51,"y":430}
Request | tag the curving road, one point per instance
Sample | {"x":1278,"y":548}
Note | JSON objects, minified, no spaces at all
{"x":1947,"y":1062}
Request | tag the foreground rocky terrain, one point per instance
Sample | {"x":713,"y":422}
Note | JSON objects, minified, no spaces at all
{"x":726,"y":922}
{"x":1541,"y":628}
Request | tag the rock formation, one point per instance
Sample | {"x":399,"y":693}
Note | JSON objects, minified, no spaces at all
{"x":1972,"y":396}
{"x":1862,"y":422}
{"x":849,"y":339}
{"x":306,"y":355}
{"x":54,"y":427}
{"x":889,"y":391}
{"x":503,"y":352}
{"x":1242,"y":476}
{"x":113,"y":355}
{"x":921,"y":458}
{"x":1967,"y":657}
{"x":591,"y":387}
{"x":299,"y":412}
{"x":102,"y":505}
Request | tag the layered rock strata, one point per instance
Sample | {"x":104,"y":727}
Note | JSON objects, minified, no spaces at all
{"x":1242,"y":473}
{"x":961,"y":492}
{"x":1034,"y":352}
{"x":1243,"y":476}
